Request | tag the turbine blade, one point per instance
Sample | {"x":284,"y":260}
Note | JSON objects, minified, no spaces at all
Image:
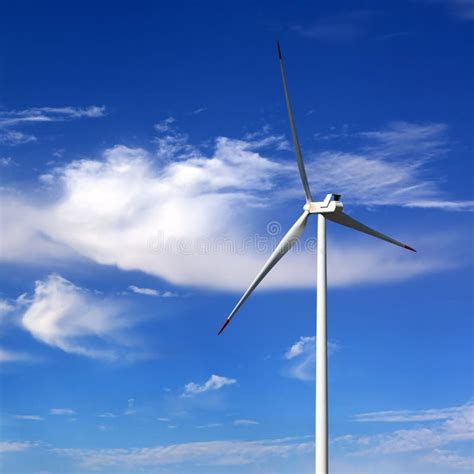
{"x":296,"y":143}
{"x":282,"y":248}
{"x":346,"y":220}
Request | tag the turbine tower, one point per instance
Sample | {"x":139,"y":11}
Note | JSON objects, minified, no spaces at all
{"x":331,"y":208}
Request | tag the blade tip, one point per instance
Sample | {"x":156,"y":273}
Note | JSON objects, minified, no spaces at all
{"x":279,"y":50}
{"x":410,"y":248}
{"x":227,"y":321}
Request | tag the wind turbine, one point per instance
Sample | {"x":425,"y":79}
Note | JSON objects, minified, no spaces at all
{"x":330,"y":208}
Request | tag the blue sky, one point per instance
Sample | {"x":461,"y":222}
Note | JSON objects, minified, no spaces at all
{"x":146,"y":175}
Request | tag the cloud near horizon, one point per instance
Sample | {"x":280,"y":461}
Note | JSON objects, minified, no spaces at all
{"x":434,"y":436}
{"x":217,"y":453}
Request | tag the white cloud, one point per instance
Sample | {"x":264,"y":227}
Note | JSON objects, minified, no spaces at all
{"x":165,"y":125}
{"x":16,"y":446}
{"x":62,"y":411}
{"x":28,"y":417}
{"x":5,"y":307}
{"x":217,"y":453}
{"x":152,"y":292}
{"x":48,"y":114}
{"x":190,"y":219}
{"x":144,"y":291}
{"x":302,"y":357}
{"x":215,"y":382}
{"x":14,"y":137}
{"x":457,"y":427}
{"x":108,"y":415}
{"x":6,"y":161}
{"x":74,"y":320}
{"x":244,"y":422}
{"x":172,"y":143}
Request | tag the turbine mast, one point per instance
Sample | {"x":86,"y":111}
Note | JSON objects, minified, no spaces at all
{"x":321,"y":423}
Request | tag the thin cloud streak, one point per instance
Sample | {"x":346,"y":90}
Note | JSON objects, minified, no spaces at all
{"x":16,"y":446}
{"x":39,"y":115}
{"x":404,"y":416}
{"x":28,"y":417}
{"x":151,"y":292}
{"x":214,"y":453}
{"x":454,"y":428}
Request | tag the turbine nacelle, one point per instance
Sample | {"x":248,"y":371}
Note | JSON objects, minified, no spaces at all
{"x":330,"y":205}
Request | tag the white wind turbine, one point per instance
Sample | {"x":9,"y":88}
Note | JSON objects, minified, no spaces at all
{"x":331,"y":208}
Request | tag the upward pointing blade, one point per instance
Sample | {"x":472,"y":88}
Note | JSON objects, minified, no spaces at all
{"x":282,"y":248}
{"x":296,"y":144}
{"x":348,"y":221}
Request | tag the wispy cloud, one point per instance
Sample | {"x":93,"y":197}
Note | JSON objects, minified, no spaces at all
{"x":343,"y":26}
{"x":6,"y":307}
{"x":165,"y":125}
{"x":16,"y":446}
{"x":264,"y":139}
{"x":14,"y":137}
{"x":197,"y":111}
{"x":62,"y":411}
{"x":404,"y":416}
{"x":217,"y":453}
{"x":131,"y":409}
{"x":245,"y":422}
{"x":74,"y":320}
{"x":6,"y":161}
{"x":302,"y":358}
{"x":452,"y":425}
{"x":215,"y":382}
{"x":391,"y":167}
{"x":449,"y":459}
{"x":462,"y":9}
{"x":171,"y":142}
{"x":28,"y":417}
{"x":48,"y":114}
{"x":9,"y":119}
{"x":210,"y":425}
{"x":151,"y":292}
{"x":9,"y":357}
{"x":108,"y":415}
